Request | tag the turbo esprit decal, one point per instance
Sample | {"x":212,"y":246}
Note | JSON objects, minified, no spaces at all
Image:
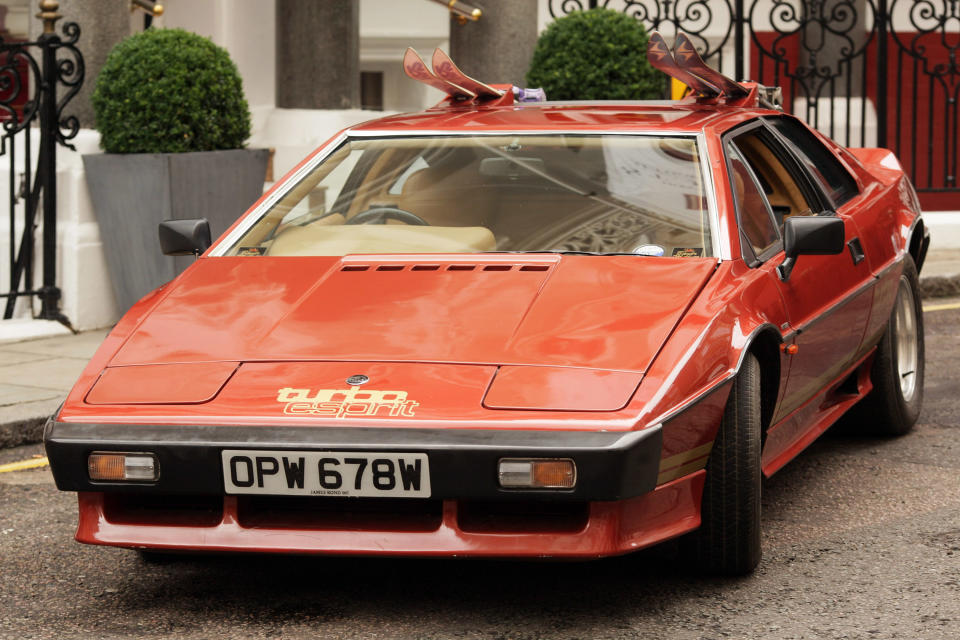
{"x":343,"y":403}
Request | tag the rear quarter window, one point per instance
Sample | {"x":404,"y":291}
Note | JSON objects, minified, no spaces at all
{"x":832,"y":175}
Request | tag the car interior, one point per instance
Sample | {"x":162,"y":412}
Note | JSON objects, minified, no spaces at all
{"x":784,"y":195}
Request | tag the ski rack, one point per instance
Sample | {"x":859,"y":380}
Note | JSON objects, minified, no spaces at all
{"x":685,"y":65}
{"x":461,"y":88}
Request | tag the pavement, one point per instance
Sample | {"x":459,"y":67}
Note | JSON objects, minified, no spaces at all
{"x":35,"y":377}
{"x":37,"y":374}
{"x":940,"y":277}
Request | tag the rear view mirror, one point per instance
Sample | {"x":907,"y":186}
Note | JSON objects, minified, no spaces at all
{"x":184,"y":237}
{"x":811,"y":236}
{"x":512,"y":168}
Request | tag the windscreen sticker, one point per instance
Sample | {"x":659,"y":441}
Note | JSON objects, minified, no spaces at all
{"x":649,"y":250}
{"x":689,"y":252}
{"x":251,"y":251}
{"x":345,"y":403}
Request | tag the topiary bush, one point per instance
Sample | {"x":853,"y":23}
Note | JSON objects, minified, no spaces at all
{"x":169,"y":91}
{"x":600,"y":54}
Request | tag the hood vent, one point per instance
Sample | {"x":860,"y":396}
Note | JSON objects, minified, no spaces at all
{"x":452,"y":266}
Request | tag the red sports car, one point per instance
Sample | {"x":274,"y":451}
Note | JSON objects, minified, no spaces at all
{"x":506,"y":329}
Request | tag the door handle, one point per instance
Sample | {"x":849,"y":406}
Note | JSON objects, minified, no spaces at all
{"x":856,"y":251}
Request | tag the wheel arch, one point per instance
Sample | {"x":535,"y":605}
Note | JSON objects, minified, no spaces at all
{"x":765,"y":346}
{"x":919,"y":243}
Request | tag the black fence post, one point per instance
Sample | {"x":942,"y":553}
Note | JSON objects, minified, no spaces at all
{"x":881,"y":67}
{"x":47,"y":165}
{"x":739,"y":22}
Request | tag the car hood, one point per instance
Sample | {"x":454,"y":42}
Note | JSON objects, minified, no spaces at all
{"x":601,"y":312}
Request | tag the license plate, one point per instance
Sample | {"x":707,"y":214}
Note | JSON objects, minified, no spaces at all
{"x":326,"y":473}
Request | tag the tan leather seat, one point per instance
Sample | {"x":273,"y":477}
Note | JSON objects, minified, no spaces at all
{"x":337,"y":240}
{"x":458,"y":198}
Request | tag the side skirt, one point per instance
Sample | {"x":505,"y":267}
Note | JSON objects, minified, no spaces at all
{"x":790,"y":436}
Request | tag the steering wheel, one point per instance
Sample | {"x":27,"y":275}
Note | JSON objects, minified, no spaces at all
{"x":380,"y":215}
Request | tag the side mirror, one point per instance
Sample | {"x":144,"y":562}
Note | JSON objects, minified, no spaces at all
{"x":184,"y":237}
{"x":810,"y":236}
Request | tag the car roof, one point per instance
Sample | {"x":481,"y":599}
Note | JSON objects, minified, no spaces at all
{"x":685,"y":116}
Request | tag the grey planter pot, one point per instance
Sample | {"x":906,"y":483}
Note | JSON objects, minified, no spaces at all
{"x":133,"y":193}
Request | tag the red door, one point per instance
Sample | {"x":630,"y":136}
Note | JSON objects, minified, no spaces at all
{"x":827,"y":298}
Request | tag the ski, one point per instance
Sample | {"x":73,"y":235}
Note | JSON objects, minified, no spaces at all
{"x":685,"y":54}
{"x":445,"y":69}
{"x":659,"y":55}
{"x":416,"y":68}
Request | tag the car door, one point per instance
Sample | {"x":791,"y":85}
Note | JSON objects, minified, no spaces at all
{"x":827,"y":298}
{"x":825,"y":162}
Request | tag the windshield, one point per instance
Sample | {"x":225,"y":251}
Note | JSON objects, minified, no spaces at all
{"x":511,"y":193}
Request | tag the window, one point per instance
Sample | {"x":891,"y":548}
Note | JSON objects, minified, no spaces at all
{"x":786,"y":196}
{"x":315,"y":198}
{"x":833,"y":176}
{"x":371,"y":90}
{"x":415,"y":166}
{"x":755,"y":219}
{"x":630,"y":194}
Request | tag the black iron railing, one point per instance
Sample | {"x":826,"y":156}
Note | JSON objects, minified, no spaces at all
{"x":30,"y":75}
{"x":865,"y":72}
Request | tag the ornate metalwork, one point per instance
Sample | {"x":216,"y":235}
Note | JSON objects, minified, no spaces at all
{"x":70,"y":74}
{"x":825,"y":34}
{"x":60,"y":65}
{"x":927,"y":47}
{"x":13,"y":88}
{"x":866,"y":72}
{"x":709,"y":23}
{"x":569,"y":6}
{"x":819,"y":52}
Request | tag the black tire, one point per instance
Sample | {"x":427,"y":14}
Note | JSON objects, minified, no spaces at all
{"x":728,"y":541}
{"x":892,"y":407}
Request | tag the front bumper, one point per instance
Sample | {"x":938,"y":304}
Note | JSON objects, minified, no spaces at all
{"x":615,"y":507}
{"x":463,"y":462}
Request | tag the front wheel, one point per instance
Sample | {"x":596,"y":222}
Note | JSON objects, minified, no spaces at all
{"x":893,"y":406}
{"x":728,"y":541}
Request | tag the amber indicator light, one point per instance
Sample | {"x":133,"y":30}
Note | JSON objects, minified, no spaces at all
{"x":534,"y":473}
{"x":122,"y":467}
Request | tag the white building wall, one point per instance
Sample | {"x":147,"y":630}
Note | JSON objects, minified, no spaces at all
{"x":387,"y":28}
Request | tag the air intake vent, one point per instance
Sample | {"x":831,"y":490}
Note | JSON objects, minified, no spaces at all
{"x":455,"y":266}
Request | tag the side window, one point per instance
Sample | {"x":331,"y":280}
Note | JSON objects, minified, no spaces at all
{"x":786,"y":196}
{"x":755,"y":219}
{"x":825,"y":167}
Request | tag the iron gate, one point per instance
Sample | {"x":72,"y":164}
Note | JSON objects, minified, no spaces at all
{"x":30,"y":75}
{"x":865,"y":72}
